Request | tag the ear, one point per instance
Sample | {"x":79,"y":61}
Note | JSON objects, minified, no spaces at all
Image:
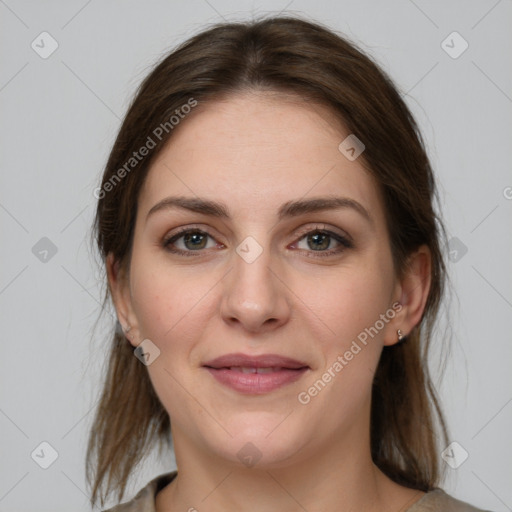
{"x":412,"y":293}
{"x":119,"y":285}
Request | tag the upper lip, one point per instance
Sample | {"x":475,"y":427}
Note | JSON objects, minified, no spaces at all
{"x":261,"y":361}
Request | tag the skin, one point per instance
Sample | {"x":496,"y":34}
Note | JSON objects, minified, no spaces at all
{"x":255,"y":151}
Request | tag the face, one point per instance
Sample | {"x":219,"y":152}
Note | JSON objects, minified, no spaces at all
{"x":269,"y":277}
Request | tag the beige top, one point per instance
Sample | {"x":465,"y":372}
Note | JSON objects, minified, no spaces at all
{"x":433,"y":501}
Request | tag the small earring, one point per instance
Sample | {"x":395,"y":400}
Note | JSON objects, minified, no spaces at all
{"x":127,"y":328}
{"x":400,"y":335}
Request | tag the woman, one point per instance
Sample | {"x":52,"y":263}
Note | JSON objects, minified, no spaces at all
{"x":267,"y":226}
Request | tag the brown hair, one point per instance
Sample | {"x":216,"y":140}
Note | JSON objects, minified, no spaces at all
{"x":290,"y":55}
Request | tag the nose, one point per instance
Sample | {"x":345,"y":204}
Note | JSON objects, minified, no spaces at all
{"x":254,"y":297}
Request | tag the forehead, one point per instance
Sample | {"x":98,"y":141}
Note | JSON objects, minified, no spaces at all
{"x":256,"y":151}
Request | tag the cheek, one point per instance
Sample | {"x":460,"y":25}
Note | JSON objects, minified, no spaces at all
{"x":165,"y":301}
{"x":173,"y":309}
{"x":351,"y":306}
{"x":346,"y":301}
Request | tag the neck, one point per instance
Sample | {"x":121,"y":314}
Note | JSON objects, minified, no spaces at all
{"x":340,"y":479}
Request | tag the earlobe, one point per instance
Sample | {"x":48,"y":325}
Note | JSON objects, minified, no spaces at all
{"x":394,"y":333}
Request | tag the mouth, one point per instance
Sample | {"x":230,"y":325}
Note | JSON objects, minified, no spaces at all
{"x":255,"y":374}
{"x":250,"y":369}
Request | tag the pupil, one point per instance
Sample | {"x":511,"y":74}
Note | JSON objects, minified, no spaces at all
{"x":196,"y":239}
{"x":323,"y":238}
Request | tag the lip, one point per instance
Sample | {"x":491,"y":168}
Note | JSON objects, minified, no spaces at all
{"x":261,"y":361}
{"x":227,"y":370}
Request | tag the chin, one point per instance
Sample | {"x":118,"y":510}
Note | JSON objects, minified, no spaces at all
{"x":261,"y":440}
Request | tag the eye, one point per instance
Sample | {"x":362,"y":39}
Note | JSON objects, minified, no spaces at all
{"x":188,"y":240}
{"x":323,"y":242}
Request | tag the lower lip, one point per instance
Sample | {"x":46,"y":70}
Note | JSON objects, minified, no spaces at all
{"x":256,"y":383}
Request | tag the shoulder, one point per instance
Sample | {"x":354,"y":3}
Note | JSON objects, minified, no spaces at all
{"x":144,"y":500}
{"x":438,"y":500}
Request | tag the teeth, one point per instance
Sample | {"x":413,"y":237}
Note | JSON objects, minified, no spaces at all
{"x":267,"y":370}
{"x":246,"y":369}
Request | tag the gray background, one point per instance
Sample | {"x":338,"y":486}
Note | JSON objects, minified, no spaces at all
{"x":59,"y":118}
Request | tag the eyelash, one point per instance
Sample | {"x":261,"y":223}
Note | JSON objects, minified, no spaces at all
{"x":343,"y":241}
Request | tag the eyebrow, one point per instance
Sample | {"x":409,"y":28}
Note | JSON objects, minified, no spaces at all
{"x":287,"y":210}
